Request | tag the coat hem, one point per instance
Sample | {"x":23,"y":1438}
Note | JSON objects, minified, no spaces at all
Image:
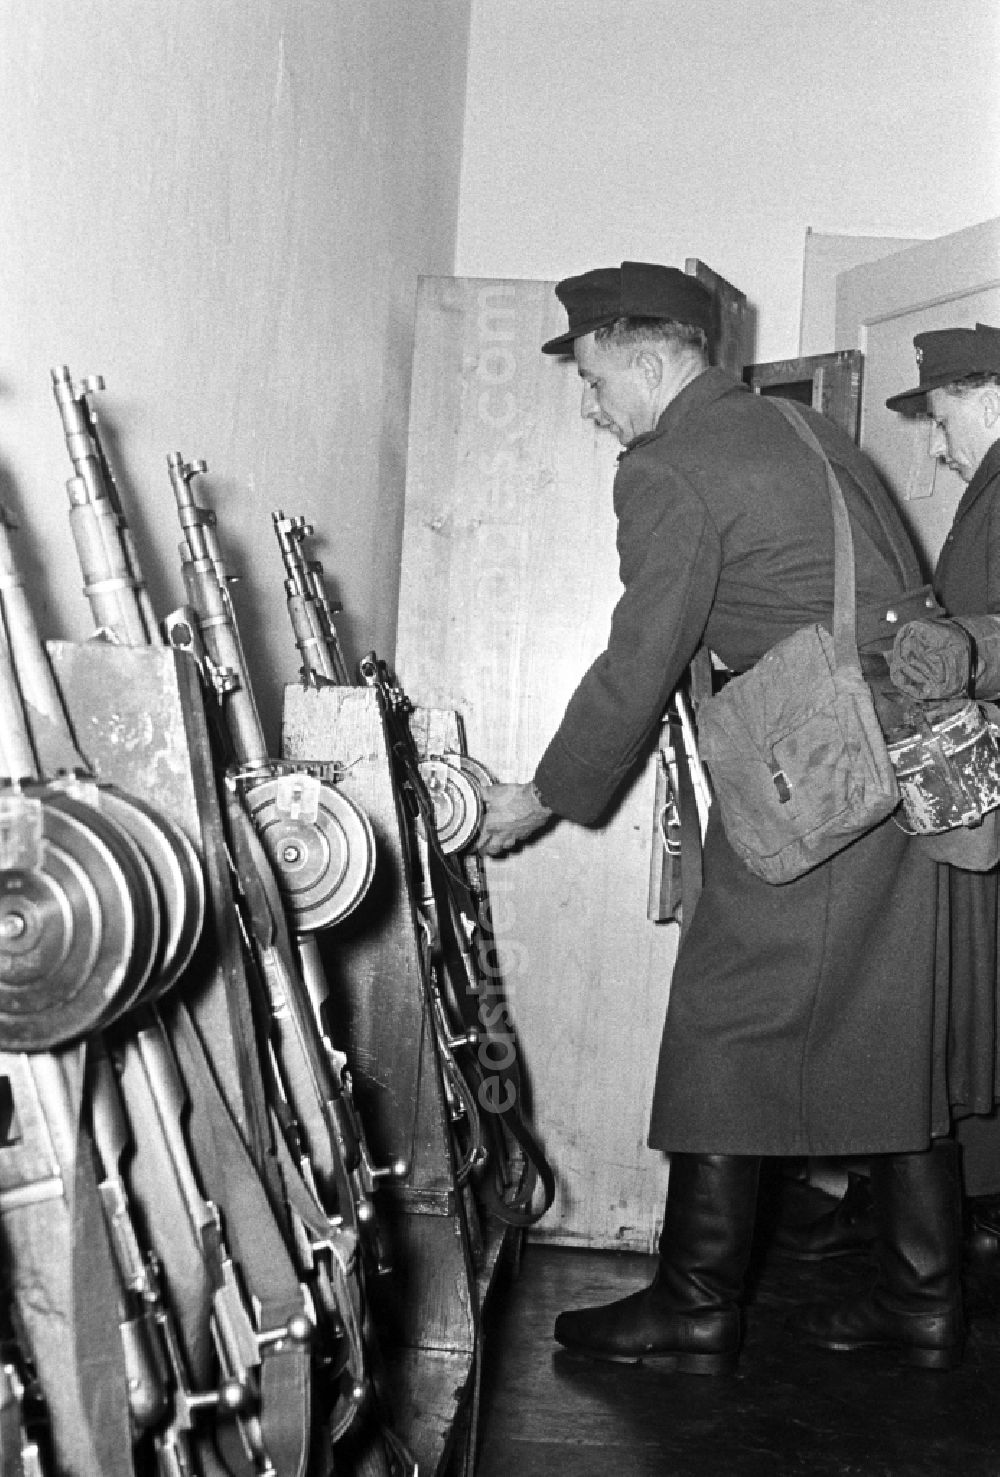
{"x":797,"y":1148}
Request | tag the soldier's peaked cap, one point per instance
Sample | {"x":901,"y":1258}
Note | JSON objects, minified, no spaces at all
{"x":633,"y":290}
{"x":946,"y":355}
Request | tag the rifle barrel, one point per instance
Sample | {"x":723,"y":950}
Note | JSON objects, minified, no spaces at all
{"x":113,"y":582}
{"x":207,"y":582}
{"x":309,"y":609}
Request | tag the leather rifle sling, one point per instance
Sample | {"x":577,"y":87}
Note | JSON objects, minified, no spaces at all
{"x":260,"y":1249}
{"x":304,"y":1067}
{"x":256,"y":1251}
{"x":289,"y":1009}
{"x":345,"y":1285}
{"x":154,"y":1188}
{"x":501,"y":1102}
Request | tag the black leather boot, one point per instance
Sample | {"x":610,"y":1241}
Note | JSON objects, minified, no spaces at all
{"x":847,"y":1227}
{"x":689,"y":1318}
{"x":915,"y":1306}
{"x":983,"y":1235}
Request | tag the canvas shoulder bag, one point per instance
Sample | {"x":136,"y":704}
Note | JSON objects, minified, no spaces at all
{"x":796,"y":755}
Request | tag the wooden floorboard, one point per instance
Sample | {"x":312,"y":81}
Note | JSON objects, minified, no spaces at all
{"x":788,"y":1412}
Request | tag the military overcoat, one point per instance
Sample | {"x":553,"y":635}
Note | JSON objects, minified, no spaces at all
{"x":801,"y":1017}
{"x":967,"y":581}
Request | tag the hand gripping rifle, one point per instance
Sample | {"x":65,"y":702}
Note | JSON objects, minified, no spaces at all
{"x":277,"y":814}
{"x":484,"y":1087}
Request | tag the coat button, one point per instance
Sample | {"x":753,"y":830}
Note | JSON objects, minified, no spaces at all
{"x":892,"y":617}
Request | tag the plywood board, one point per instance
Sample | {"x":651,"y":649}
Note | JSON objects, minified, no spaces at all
{"x":824,"y":257}
{"x":509,"y":578}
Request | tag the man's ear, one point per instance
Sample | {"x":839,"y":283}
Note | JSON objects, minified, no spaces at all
{"x":650,"y":367}
{"x":991,"y":406}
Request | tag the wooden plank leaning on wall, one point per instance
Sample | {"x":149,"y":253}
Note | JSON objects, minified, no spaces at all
{"x":509,"y":576}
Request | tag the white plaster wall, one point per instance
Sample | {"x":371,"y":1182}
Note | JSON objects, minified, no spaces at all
{"x":223,"y":208}
{"x":600,"y":130}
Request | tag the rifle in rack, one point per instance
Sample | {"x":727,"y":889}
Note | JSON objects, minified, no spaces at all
{"x":160,"y":1334}
{"x":249,"y":1315}
{"x":441,"y":800}
{"x":322,"y":664}
{"x":478,"y":1050}
{"x":304,"y":856}
{"x":75,"y":957}
{"x":316,"y":842}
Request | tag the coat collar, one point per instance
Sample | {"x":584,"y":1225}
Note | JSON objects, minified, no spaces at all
{"x":988,"y":469}
{"x":709,"y":386}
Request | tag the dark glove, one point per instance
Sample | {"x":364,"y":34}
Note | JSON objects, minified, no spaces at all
{"x":932,"y":659}
{"x":947,"y":658}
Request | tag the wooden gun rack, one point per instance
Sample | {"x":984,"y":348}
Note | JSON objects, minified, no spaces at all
{"x":139,"y":718}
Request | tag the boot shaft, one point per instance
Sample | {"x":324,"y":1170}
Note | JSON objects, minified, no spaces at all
{"x":708,"y":1226}
{"x":918,"y":1216}
{"x":689,"y":1319}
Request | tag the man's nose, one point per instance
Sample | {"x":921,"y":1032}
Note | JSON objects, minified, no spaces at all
{"x":588,"y":404}
{"x":937,"y":443}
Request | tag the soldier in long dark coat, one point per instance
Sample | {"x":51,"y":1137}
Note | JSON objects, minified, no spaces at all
{"x":959,"y":390}
{"x":801,"y":1017}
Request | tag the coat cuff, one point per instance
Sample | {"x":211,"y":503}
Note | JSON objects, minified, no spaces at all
{"x":570,"y":788}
